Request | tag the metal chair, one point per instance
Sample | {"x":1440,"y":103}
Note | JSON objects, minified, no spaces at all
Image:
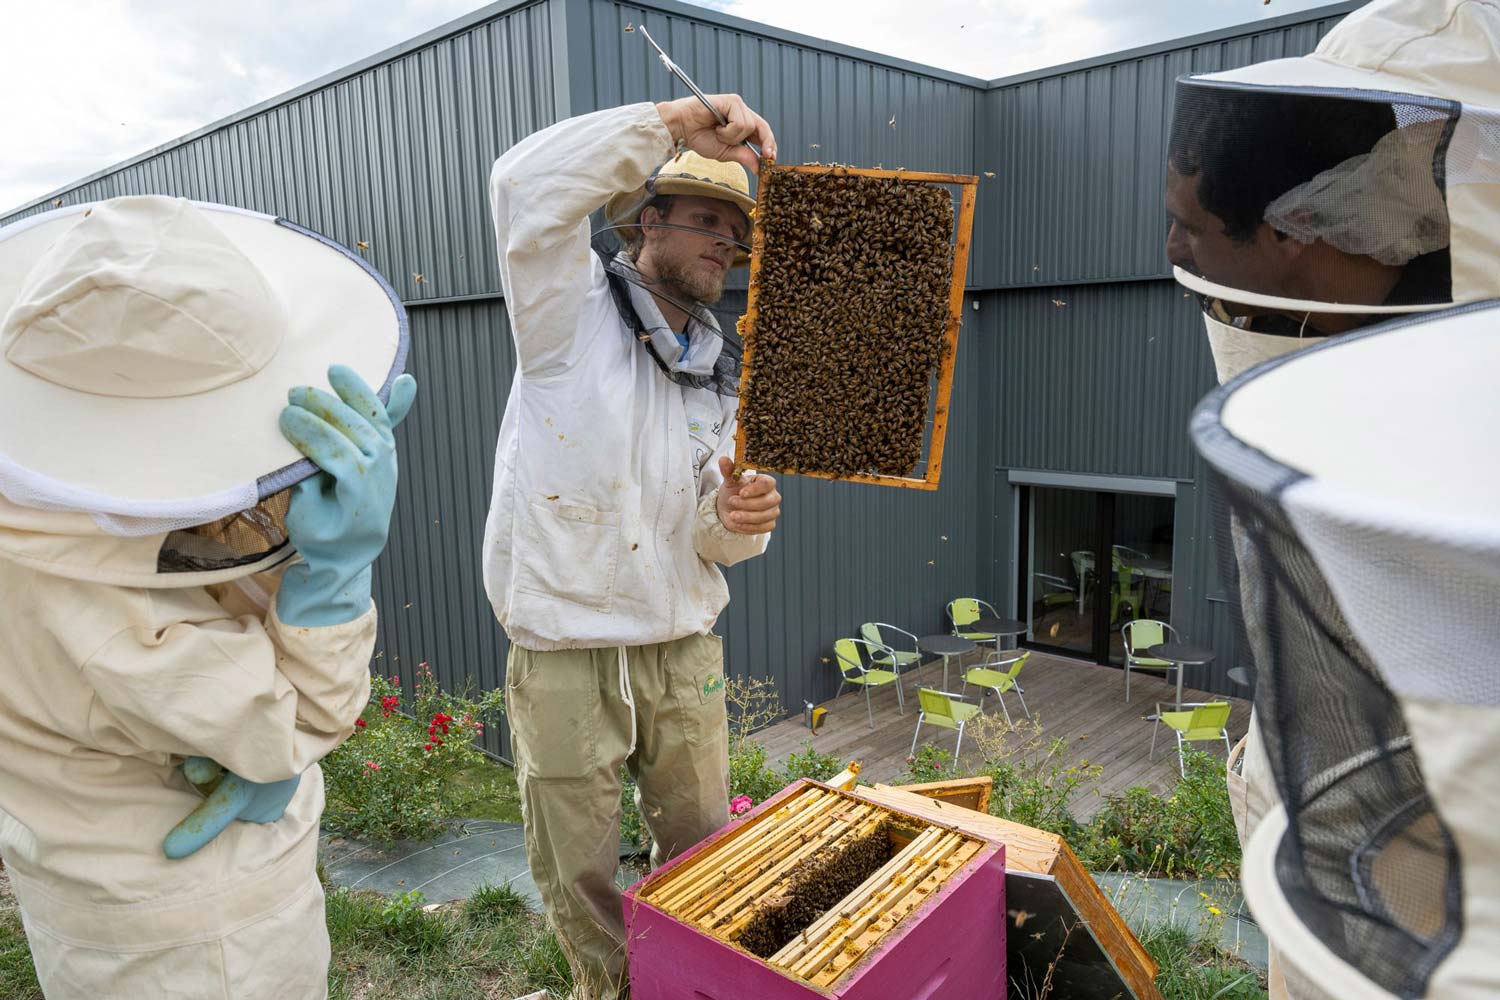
{"x":854,"y":671}
{"x":876,"y":632}
{"x":1140,"y":635}
{"x":1208,"y":720}
{"x":945,"y":709}
{"x":964,"y":611}
{"x":990,"y":675}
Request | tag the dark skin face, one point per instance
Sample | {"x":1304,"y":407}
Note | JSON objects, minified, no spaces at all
{"x":1270,"y":263}
{"x":691,"y":265}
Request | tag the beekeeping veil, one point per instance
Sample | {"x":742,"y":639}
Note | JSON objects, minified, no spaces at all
{"x":711,"y":358}
{"x":1362,"y":475}
{"x":1381,"y":151}
{"x":148,"y":345}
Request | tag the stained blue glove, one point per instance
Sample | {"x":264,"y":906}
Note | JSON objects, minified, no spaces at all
{"x":231,"y":799}
{"x":338,"y":519}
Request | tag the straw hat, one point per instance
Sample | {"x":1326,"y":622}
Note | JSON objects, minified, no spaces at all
{"x":686,"y":173}
{"x":147,"y":345}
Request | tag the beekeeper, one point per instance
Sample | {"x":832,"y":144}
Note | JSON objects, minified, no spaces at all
{"x":1313,"y":196}
{"x":614,"y":494}
{"x":159,"y":629}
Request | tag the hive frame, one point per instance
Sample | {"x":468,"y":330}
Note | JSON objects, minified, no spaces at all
{"x":969,"y":187}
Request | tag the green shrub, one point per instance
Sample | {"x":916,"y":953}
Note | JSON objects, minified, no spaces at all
{"x":1188,"y":834}
{"x":411,"y":928}
{"x":390,"y":780}
{"x":929,"y":763}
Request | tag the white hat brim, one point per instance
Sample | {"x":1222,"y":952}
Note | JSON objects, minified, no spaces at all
{"x":1311,"y":73}
{"x":197,"y":456}
{"x":1228,"y":293}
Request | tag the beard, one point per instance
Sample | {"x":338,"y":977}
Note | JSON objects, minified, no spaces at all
{"x":688,"y":276}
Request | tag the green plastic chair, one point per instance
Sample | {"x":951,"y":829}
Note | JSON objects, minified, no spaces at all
{"x":946,"y":709}
{"x":999,"y":674}
{"x":1208,"y":720}
{"x":854,"y":671}
{"x":875,"y":632}
{"x":964,"y":611}
{"x":1139,"y":636}
{"x":1128,"y":588}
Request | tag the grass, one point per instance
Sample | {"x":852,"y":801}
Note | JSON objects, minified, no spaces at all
{"x":1196,"y":968}
{"x":486,"y":791}
{"x":491,"y":946}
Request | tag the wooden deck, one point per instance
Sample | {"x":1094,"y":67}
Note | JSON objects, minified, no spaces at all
{"x":1079,"y":701}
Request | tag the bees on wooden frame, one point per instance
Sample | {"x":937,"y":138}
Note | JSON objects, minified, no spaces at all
{"x":853,"y":288}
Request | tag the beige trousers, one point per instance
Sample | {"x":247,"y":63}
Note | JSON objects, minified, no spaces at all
{"x":572,"y":727}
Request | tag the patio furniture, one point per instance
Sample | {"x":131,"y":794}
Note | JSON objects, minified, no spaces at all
{"x":1127,"y":587}
{"x":963,"y":612}
{"x":1183,"y":654}
{"x":946,"y":646}
{"x":1003,"y":628}
{"x":1083,"y":567}
{"x":1139,"y":636}
{"x":945,"y":709}
{"x":1055,"y":590}
{"x":998,"y":674}
{"x":854,"y":671}
{"x":1208,"y":720}
{"x":877,"y":633}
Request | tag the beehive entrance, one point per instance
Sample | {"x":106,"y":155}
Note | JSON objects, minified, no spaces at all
{"x":819,"y":887}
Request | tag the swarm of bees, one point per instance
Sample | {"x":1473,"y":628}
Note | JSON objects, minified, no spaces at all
{"x":814,"y":890}
{"x":853,"y":290}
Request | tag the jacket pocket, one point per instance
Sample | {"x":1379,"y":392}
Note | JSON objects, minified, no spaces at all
{"x":571,"y":554}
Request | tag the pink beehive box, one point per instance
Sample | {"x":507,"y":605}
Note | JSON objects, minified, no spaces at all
{"x":818,"y":893}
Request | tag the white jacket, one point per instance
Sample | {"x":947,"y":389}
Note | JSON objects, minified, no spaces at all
{"x":107,"y":687}
{"x":603,"y":528}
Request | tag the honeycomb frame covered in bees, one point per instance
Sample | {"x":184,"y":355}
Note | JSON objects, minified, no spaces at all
{"x":851,"y":322}
{"x":818,"y":893}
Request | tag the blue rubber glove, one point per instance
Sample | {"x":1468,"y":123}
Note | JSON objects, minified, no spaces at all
{"x":231,"y":799}
{"x":338,"y":519}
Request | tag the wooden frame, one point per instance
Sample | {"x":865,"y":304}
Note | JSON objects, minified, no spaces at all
{"x":969,"y":187}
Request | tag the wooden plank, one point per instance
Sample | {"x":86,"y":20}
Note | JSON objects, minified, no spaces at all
{"x":955,"y":319}
{"x":970,"y":793}
{"x":1039,"y":852}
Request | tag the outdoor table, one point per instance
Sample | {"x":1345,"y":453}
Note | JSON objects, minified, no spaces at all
{"x":946,"y":646}
{"x":1183,"y":654}
{"x":1008,"y":627}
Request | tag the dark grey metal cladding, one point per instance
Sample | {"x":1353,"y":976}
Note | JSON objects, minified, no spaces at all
{"x":1078,"y":154}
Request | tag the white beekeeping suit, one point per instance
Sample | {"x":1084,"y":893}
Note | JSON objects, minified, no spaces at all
{"x":1312,"y":197}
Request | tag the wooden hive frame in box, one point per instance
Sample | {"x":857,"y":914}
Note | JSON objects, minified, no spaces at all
{"x":724,"y":888}
{"x":968,"y":185}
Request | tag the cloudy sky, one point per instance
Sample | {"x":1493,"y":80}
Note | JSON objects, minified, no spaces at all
{"x":117,"y":77}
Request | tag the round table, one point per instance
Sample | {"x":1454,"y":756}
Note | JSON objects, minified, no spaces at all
{"x":1008,"y":627}
{"x":946,"y":646}
{"x":1183,"y":654}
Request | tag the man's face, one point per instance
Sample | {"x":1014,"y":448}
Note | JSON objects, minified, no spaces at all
{"x":694,"y":263}
{"x":1197,"y":242}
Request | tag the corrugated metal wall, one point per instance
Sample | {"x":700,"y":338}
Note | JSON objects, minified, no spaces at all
{"x":1073,"y":363}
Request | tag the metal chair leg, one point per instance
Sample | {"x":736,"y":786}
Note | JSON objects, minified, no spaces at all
{"x":1181,"y":760}
{"x":869,"y":712}
{"x":840,"y":691}
{"x":1127,"y":680}
{"x":918,"y":732}
{"x":900,"y":701}
{"x":1000,"y":697}
{"x":1021,"y":693}
{"x":957,"y":747}
{"x":1154,"y":728}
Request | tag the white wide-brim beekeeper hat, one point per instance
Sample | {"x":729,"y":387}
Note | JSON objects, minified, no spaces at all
{"x":1432,"y":182}
{"x":146,"y":348}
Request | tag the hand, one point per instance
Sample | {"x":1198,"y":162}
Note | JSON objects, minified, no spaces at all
{"x":690,"y":122}
{"x":748,"y":506}
{"x":233,"y":798}
{"x":339,"y":519}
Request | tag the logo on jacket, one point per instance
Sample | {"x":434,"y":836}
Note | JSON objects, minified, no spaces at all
{"x":712,"y":684}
